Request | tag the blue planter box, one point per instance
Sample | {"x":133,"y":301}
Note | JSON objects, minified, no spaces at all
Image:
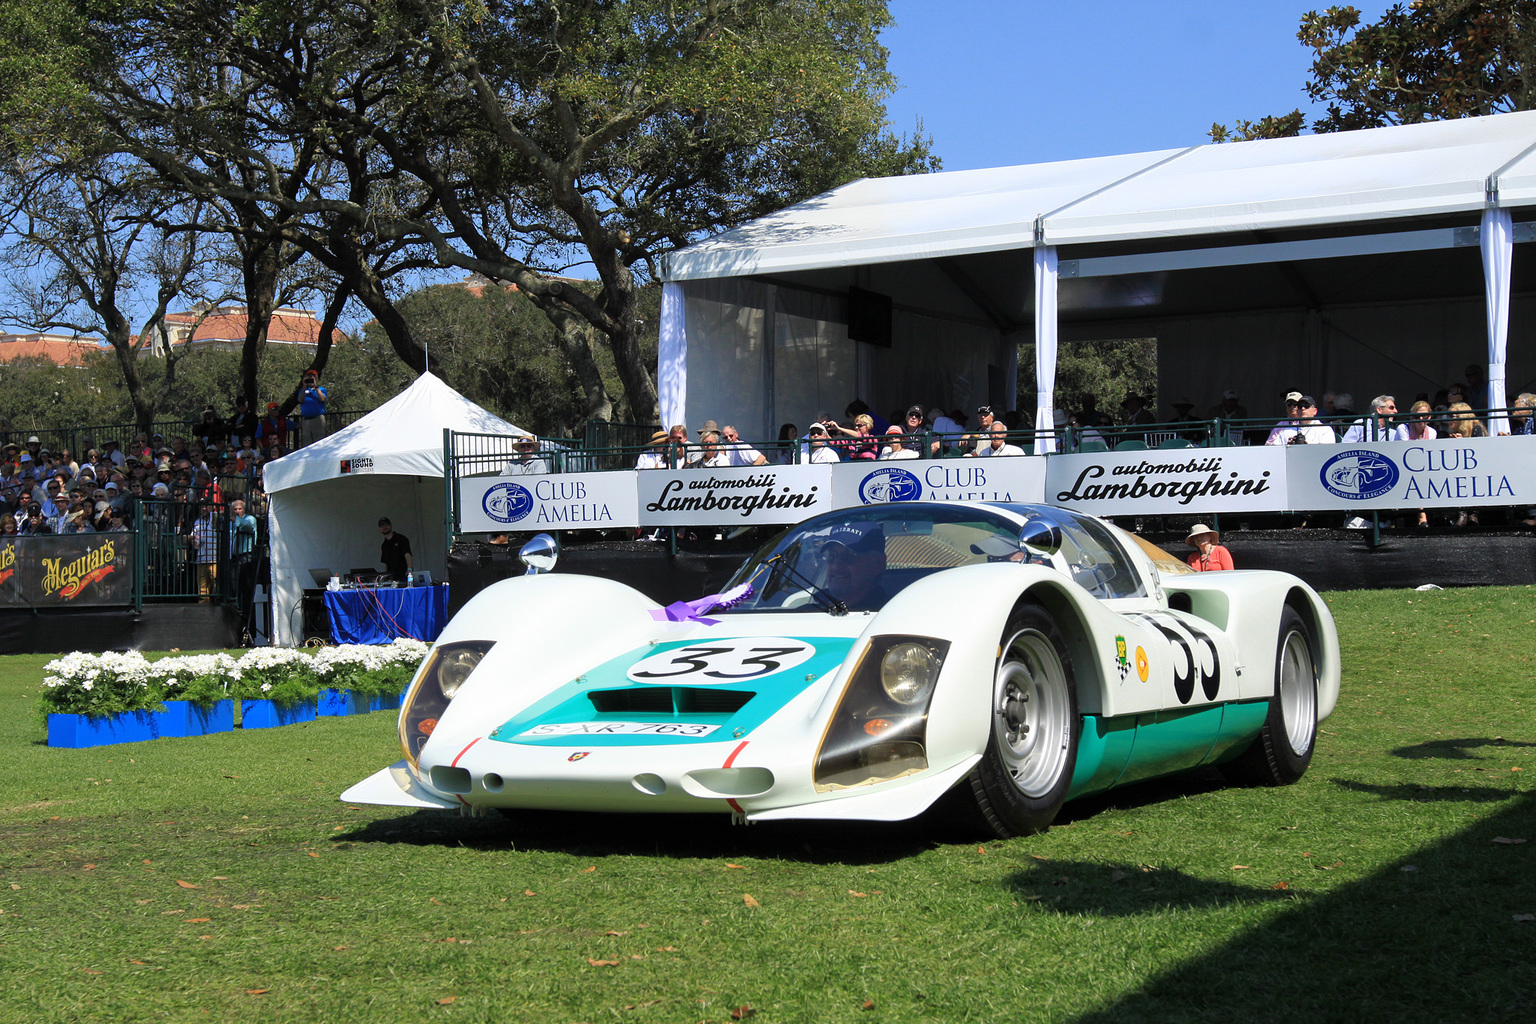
{"x":263,"y":714}
{"x":92,"y":731}
{"x":184,"y":718}
{"x":335,"y":703}
{"x":389,"y":703}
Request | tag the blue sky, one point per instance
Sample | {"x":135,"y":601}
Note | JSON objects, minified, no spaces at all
{"x":1002,"y":82}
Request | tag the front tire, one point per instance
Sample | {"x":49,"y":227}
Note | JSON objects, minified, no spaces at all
{"x":1022,"y":779}
{"x":1283,"y":749}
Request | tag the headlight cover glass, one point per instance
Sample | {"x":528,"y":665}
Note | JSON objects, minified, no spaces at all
{"x":455,"y":667}
{"x":446,"y":669}
{"x":908,"y":672}
{"x":879,"y":730}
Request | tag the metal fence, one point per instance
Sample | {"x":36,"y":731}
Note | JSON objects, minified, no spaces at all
{"x":79,"y":440}
{"x":175,"y":561}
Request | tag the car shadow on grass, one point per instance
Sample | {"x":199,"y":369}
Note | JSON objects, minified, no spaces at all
{"x":1439,"y":934}
{"x":1102,"y":889}
{"x":684,"y":836}
{"x":1425,"y":794}
{"x":706,"y":836}
{"x":1456,"y":750}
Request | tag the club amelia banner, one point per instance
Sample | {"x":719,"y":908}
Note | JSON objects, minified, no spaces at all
{"x":1449,"y":473}
{"x":1020,"y":479}
{"x":567,"y":501}
{"x":74,"y":571}
{"x":742,"y":496}
{"x":1179,"y":481}
{"x":1183,"y":481}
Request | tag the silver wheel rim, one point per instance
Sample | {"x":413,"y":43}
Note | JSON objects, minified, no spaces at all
{"x":1032,"y":713}
{"x":1298,"y":692}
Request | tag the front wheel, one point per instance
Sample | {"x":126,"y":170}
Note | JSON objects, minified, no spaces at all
{"x":1022,"y":779}
{"x":1283,"y":749}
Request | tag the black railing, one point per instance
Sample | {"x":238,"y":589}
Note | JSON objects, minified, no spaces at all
{"x":79,"y":440}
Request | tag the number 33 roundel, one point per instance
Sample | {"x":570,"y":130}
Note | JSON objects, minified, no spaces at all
{"x":725,"y":661}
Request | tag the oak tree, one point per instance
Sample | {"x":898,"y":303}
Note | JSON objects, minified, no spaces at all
{"x":1425,"y":61}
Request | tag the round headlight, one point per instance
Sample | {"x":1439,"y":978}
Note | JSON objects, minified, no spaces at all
{"x":454,"y":668}
{"x":908,"y":672}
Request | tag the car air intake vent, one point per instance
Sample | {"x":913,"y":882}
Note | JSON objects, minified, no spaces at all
{"x":669,"y":700}
{"x":651,"y":700}
{"x":705,"y":701}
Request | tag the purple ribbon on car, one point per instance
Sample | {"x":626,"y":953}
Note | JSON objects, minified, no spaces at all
{"x":695,"y":610}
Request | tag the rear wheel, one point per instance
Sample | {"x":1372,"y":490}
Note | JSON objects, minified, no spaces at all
{"x":1022,"y":779}
{"x":1282,"y":751}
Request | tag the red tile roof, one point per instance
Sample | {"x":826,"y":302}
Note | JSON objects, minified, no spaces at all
{"x":226,"y":326}
{"x":56,"y":348}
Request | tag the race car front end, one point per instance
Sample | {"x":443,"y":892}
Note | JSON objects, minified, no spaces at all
{"x":746,"y":724}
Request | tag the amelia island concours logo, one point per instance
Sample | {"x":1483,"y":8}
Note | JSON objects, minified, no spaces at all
{"x":507,"y":503}
{"x":1359,"y":474}
{"x":890,"y":484}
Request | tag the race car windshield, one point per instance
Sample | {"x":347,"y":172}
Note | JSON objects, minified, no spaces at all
{"x":857,"y":560}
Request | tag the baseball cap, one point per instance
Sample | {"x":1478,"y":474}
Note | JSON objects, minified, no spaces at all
{"x":859,"y":539}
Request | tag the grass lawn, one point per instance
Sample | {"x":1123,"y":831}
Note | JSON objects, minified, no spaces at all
{"x":220,"y":878}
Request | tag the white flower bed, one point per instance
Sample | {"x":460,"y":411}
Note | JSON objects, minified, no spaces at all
{"x":112,"y":682}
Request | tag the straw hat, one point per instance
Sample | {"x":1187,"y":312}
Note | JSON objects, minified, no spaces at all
{"x":1200,"y":530}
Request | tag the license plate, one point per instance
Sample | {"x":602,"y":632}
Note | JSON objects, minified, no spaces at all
{"x":620,"y":729}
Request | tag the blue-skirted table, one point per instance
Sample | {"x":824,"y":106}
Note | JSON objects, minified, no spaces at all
{"x":369,"y":616}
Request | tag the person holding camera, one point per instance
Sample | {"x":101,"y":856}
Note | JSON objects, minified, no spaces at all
{"x":1301,"y":425}
{"x":312,"y":399}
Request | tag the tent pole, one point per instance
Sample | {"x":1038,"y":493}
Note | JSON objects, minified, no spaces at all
{"x":450,"y":471}
{"x":1046,"y":340}
{"x":1496,"y":240}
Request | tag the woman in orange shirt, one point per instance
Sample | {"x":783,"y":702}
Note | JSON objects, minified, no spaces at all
{"x":1208,"y":555}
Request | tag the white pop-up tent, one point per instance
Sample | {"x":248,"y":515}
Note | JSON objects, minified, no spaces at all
{"x":326,"y":499}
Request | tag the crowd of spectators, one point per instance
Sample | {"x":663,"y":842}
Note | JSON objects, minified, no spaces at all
{"x":863,"y":435}
{"x":860,"y":436}
{"x":196,"y":495}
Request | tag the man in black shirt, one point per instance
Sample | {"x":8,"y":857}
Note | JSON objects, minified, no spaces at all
{"x":395,"y":552}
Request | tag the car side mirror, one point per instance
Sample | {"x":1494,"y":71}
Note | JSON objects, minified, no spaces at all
{"x":540,"y":554}
{"x":1041,"y":536}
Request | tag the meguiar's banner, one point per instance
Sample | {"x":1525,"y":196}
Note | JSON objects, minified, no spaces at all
{"x":71,"y":571}
{"x":10,"y":584}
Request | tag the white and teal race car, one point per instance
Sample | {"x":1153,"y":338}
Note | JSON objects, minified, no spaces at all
{"x":864,"y":665}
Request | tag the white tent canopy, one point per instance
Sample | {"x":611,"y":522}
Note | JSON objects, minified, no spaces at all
{"x":1150,"y":244}
{"x":327,"y":498}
